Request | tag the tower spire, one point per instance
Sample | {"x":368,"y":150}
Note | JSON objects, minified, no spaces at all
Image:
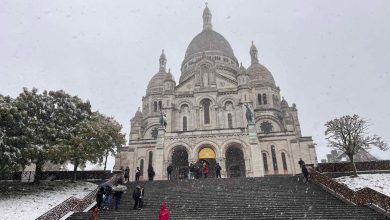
{"x":207,"y":18}
{"x":163,"y":62}
{"x":253,"y":53}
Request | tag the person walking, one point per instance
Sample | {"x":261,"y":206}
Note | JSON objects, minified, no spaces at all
{"x":127,"y":174}
{"x":305,"y":173}
{"x":95,"y":213}
{"x":119,"y":189}
{"x":137,"y":174}
{"x":218,"y":169}
{"x":99,"y":197}
{"x":301,"y":162}
{"x":151,"y":173}
{"x":164,"y":212}
{"x":191,"y":170}
{"x":205,"y":169}
{"x":107,"y":201}
{"x":169,"y":171}
{"x":138,"y":195}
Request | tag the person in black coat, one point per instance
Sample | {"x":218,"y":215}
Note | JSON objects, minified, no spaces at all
{"x":305,"y":172}
{"x":218,"y":169}
{"x":138,"y":195}
{"x":99,"y":197}
{"x":127,"y":174}
{"x":151,"y":173}
{"x":301,"y":162}
{"x":169,"y":171}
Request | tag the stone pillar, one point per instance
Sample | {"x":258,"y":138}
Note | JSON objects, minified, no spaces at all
{"x":159,"y":158}
{"x":256,"y":158}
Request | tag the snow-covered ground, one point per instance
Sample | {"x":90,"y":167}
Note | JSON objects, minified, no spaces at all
{"x":378,"y":182}
{"x":30,"y":206}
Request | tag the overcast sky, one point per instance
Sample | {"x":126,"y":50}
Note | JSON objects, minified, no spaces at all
{"x":331,"y":58}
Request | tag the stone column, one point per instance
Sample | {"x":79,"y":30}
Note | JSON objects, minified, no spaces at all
{"x":159,"y":158}
{"x":256,"y":158}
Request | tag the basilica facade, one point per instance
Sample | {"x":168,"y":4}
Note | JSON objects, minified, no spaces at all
{"x":206,"y":117}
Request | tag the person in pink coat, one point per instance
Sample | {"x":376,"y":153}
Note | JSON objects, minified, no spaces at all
{"x":164,"y":212}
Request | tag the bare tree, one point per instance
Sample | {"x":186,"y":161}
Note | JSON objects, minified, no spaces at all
{"x":349,"y":134}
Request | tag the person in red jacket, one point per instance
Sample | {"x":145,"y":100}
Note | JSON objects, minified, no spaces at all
{"x":205,"y":169}
{"x":164,"y":212}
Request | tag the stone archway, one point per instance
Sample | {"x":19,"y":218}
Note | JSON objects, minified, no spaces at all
{"x":235,"y":161}
{"x":208,"y":155}
{"x":179,"y":161}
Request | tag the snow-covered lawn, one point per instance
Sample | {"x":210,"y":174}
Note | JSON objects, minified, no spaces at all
{"x":378,"y":182}
{"x":31,"y":203}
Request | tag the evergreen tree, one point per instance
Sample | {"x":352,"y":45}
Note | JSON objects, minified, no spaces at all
{"x":12,"y":137}
{"x":90,"y":141}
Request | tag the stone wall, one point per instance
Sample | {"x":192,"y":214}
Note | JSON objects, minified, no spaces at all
{"x":360,"y":166}
{"x":63,"y":175}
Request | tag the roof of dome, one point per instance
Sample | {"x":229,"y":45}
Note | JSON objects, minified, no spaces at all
{"x":138,"y":115}
{"x":157,"y":82}
{"x":169,"y":76}
{"x":260,"y":73}
{"x":242,"y":70}
{"x":209,"y":40}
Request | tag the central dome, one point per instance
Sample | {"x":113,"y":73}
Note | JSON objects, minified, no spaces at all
{"x":209,"y":41}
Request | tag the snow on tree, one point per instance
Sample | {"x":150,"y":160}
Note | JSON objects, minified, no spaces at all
{"x":90,"y":141}
{"x":12,"y":136}
{"x":349,"y":134}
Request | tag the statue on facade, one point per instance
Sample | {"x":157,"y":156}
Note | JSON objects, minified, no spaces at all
{"x":163,"y":120}
{"x":248,"y":114}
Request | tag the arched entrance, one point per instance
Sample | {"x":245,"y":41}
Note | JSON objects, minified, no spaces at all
{"x":235,"y":162}
{"x":207,"y":154}
{"x":179,"y":163}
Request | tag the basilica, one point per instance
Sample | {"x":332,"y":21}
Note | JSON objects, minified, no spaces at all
{"x":206,"y":117}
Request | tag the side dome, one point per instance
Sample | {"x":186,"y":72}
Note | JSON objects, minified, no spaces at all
{"x":259,"y":74}
{"x":156,"y":84}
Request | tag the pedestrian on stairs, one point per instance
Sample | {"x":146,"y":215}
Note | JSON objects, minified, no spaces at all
{"x":191,"y":170}
{"x":205,"y":169}
{"x":138,"y":195}
{"x":218,"y":169}
{"x":137,"y":174}
{"x":169,"y":171}
{"x":119,"y":189}
{"x":301,"y":162}
{"x":164,"y":212}
{"x":151,"y":173}
{"x":95,"y":213}
{"x":99,"y":197}
{"x":305,"y":173}
{"x":127,"y":172}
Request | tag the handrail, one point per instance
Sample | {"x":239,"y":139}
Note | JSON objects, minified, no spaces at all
{"x":72,"y":204}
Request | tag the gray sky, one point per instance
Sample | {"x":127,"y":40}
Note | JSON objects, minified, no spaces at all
{"x":331,"y":57}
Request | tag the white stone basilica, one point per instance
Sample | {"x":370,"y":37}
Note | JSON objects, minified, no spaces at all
{"x":206,"y":117}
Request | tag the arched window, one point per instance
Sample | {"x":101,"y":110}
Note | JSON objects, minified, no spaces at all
{"x":150,"y":158}
{"x":284,"y":161}
{"x":264,"y":99}
{"x":274,"y":161}
{"x":206,"y":111}
{"x":265,"y":162}
{"x":184,"y":123}
{"x":160,"y":105}
{"x":230,"y":120}
{"x":155,"y":107}
{"x":259,"y":98}
{"x":141,"y":167}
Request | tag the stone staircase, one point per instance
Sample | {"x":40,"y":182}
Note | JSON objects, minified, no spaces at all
{"x":236,"y":198}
